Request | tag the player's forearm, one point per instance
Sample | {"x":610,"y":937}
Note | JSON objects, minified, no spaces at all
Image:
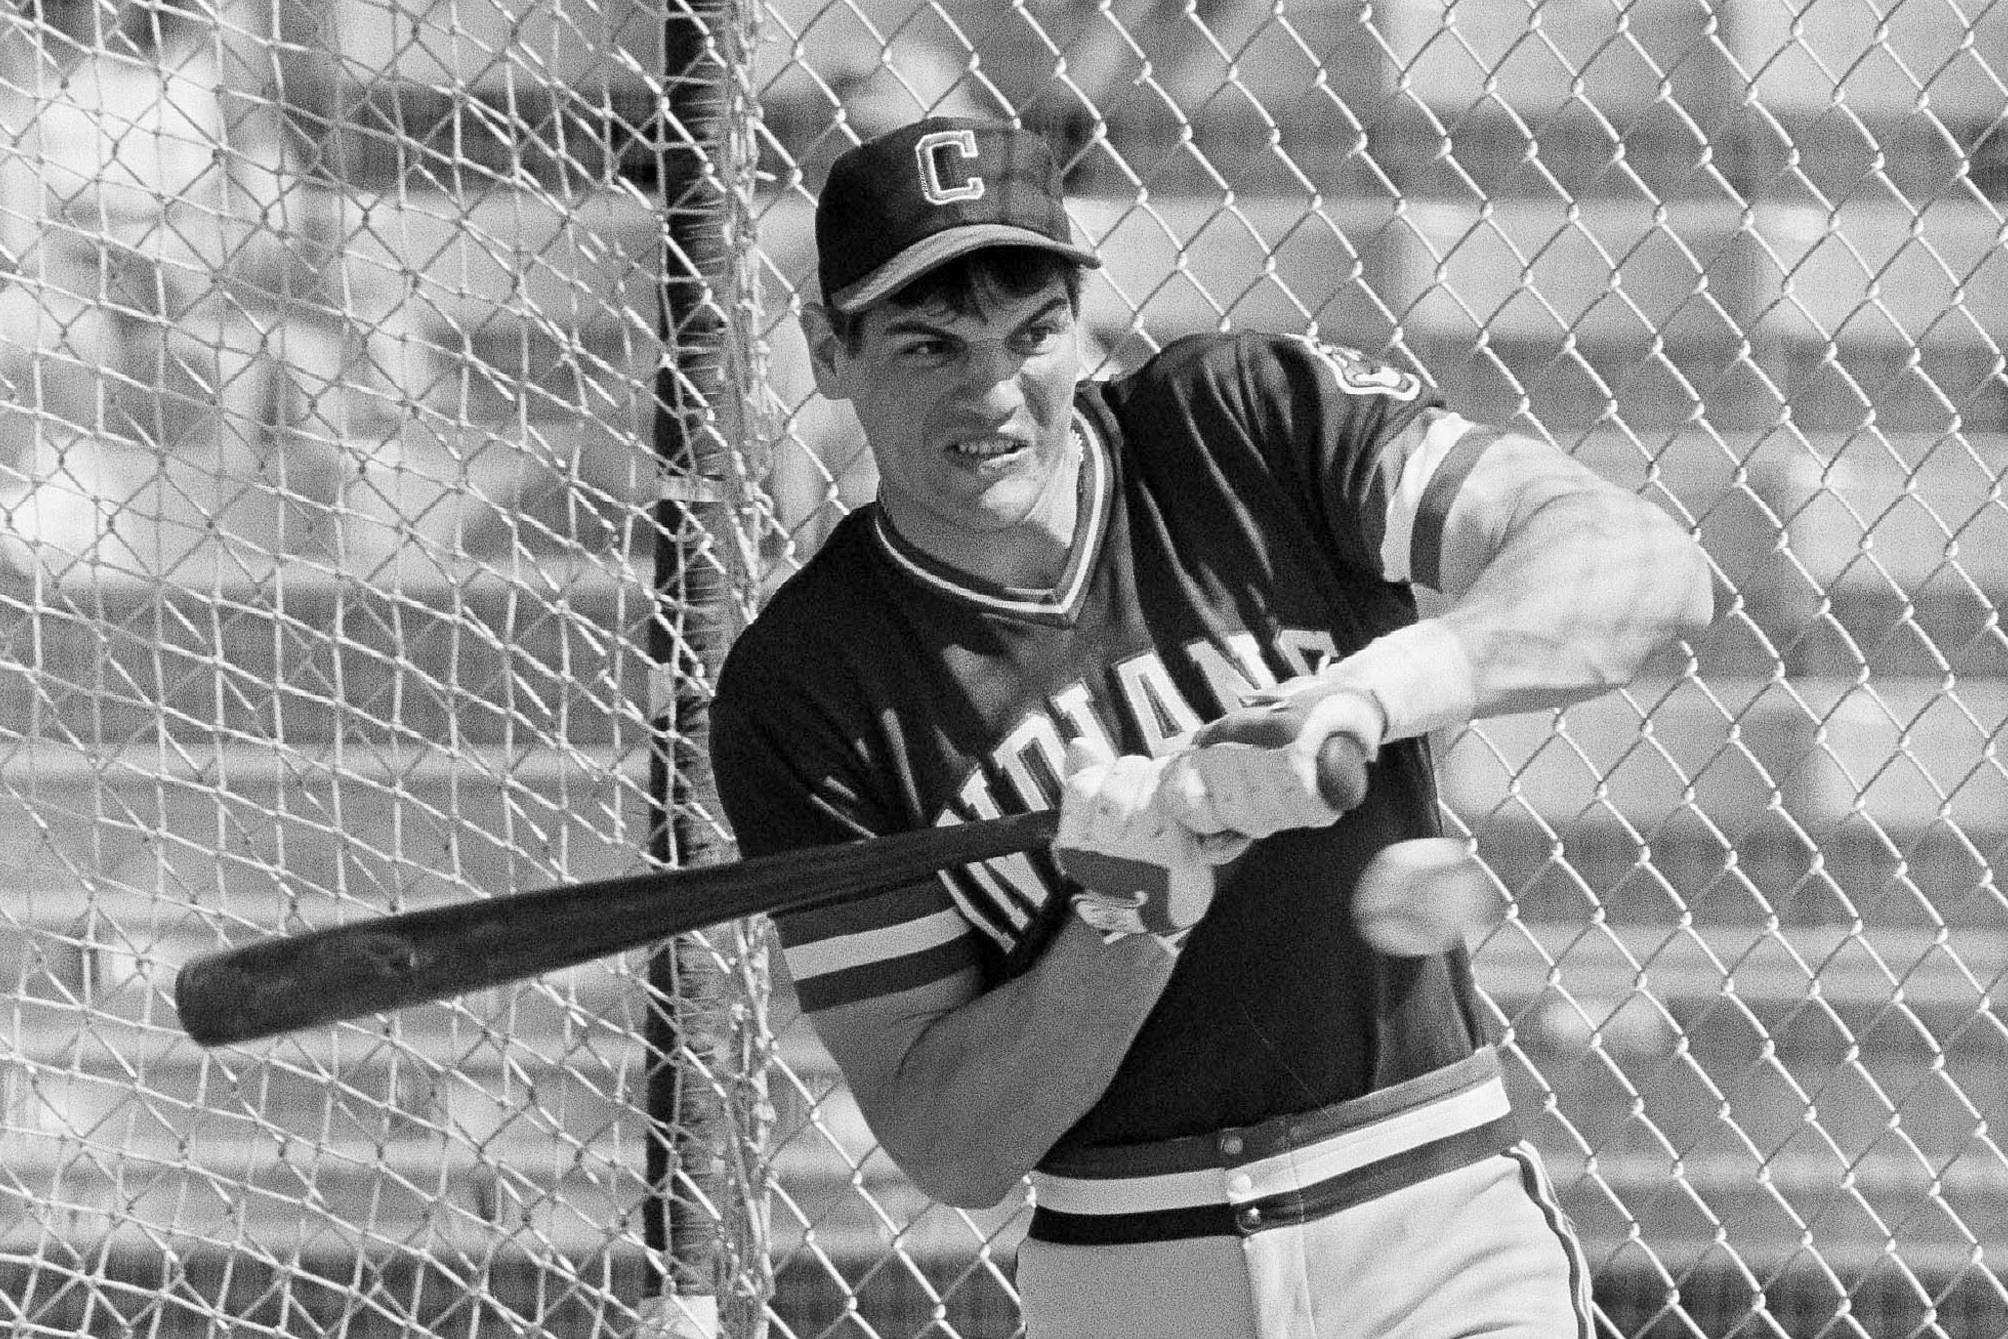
{"x":1576,"y":601}
{"x":986,"y":1089}
{"x":1581,"y":591}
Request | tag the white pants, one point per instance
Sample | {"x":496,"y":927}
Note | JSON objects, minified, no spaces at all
{"x":1480,"y":1250}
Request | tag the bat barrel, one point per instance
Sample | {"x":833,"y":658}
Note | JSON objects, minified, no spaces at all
{"x":281,"y":985}
{"x":291,"y":982}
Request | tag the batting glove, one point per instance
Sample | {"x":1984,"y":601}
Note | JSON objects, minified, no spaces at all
{"x":1255,"y":770}
{"x":1141,"y":871}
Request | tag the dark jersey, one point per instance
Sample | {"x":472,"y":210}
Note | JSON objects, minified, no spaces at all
{"x":1252,"y":507}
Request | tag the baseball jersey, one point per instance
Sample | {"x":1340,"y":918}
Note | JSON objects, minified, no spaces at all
{"x":1252,"y":507}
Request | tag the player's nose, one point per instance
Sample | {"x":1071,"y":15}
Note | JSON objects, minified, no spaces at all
{"x":992,"y":380}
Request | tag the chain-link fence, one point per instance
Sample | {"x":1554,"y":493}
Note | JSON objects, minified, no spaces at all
{"x":402,"y":402}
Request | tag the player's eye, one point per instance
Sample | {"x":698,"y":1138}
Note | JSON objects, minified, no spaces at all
{"x":925,"y":350}
{"x":1042,"y":336}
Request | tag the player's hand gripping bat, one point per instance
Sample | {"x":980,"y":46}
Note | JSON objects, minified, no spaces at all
{"x":291,"y":982}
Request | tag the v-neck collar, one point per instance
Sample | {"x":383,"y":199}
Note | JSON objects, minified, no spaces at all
{"x":1061,"y":603}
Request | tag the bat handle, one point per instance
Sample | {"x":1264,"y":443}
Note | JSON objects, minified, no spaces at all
{"x":1342,"y":771}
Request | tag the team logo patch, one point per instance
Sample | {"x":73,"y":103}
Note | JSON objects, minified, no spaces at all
{"x":1359,"y":375}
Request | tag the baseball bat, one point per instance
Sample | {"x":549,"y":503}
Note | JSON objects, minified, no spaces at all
{"x":289,"y":982}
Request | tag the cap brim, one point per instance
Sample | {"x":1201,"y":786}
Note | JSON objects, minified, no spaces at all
{"x":944,"y":246}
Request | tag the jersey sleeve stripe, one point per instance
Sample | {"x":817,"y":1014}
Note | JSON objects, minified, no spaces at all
{"x":840,"y":953}
{"x":1416,"y":454}
{"x":894,"y":906}
{"x":1426,"y":548}
{"x":886,"y":976}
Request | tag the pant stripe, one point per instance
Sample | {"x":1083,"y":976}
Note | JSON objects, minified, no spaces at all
{"x":1535,"y":1177}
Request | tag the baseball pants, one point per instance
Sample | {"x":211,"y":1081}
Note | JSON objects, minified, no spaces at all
{"x":1414,"y":1213}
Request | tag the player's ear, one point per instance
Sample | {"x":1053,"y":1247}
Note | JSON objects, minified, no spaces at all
{"x":826,"y":351}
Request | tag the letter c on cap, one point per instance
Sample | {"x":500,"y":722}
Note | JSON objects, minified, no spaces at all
{"x":933,"y":150}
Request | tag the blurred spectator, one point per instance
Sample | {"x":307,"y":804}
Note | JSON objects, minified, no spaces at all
{"x":156,"y":349}
{"x":117,"y":219}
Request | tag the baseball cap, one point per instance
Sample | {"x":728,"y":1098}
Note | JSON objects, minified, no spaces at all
{"x":898,"y":205}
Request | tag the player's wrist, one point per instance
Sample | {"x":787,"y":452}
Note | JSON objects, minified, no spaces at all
{"x":1420,"y":677}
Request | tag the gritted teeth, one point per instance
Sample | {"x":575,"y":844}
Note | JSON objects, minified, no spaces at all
{"x":986,"y":446}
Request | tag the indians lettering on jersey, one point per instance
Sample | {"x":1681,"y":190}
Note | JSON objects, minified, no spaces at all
{"x":1255,"y":506}
{"x":1002,"y":897}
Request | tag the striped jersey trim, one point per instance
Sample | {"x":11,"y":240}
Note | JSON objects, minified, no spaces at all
{"x":1285,"y":1173}
{"x":843,"y":952}
{"x":1440,"y":433}
{"x":1426,"y":548}
{"x":1285,"y":1208}
{"x":854,"y":950}
{"x":888,"y":977}
{"x":1065,"y":598}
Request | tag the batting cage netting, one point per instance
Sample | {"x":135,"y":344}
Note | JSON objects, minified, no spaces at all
{"x":404,"y":404}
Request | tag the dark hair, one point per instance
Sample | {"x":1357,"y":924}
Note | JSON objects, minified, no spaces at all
{"x":960,"y":284}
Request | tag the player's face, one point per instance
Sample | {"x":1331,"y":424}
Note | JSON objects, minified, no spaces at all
{"x":969,"y":417}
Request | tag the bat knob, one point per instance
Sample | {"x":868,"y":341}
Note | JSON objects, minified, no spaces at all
{"x":1342,"y":772}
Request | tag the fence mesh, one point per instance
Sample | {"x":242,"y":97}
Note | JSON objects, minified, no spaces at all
{"x":337,"y":342}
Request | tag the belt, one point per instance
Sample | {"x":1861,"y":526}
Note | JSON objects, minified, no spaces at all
{"x":1292,"y":1169}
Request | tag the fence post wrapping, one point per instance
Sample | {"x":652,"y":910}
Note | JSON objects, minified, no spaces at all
{"x":702,"y":1223}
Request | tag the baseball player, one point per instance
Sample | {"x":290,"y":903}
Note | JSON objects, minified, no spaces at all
{"x":1239,"y":1118}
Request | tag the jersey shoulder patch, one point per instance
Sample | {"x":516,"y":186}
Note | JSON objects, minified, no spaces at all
{"x":1357,"y":374}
